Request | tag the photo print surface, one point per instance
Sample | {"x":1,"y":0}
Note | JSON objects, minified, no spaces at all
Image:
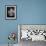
{"x":33,"y":32}
{"x":10,"y":11}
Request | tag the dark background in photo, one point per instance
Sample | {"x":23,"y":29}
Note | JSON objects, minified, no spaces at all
{"x":10,"y":12}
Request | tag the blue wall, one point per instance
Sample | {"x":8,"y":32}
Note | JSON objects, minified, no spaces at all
{"x":28,"y":12}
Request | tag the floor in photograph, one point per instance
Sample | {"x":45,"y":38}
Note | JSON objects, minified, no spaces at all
{"x":30,"y":43}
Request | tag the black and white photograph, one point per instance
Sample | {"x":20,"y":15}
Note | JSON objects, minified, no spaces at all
{"x":10,"y":12}
{"x":29,"y":34}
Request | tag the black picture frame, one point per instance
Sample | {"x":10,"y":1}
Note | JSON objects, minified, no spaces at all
{"x":10,"y":12}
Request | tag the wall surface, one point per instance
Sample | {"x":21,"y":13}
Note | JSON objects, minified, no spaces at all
{"x":33,"y":27}
{"x":28,"y":12}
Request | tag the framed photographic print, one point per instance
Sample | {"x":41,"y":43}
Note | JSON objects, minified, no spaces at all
{"x":10,"y":12}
